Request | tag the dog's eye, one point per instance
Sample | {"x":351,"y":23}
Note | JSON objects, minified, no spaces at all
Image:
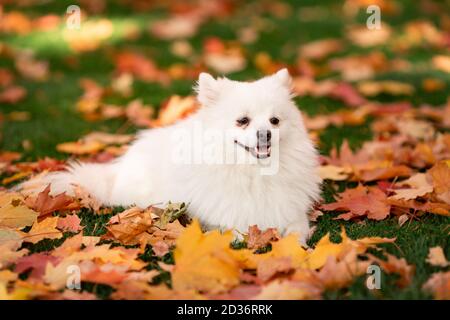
{"x":274,"y":121}
{"x":243,"y":121}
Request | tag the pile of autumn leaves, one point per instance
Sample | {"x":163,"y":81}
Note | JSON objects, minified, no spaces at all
{"x":206,"y":265}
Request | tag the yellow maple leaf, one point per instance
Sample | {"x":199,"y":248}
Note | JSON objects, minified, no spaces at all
{"x":324,"y":249}
{"x":16,"y":294}
{"x":204,"y":262}
{"x":286,"y":247}
{"x":13,"y":213}
{"x":45,"y":229}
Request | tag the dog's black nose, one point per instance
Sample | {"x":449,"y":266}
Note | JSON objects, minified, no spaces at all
{"x":264,"y":135}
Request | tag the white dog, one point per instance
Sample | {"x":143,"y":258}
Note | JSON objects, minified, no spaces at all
{"x":261,"y":166}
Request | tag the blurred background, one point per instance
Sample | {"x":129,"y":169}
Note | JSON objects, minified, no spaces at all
{"x":68,"y":68}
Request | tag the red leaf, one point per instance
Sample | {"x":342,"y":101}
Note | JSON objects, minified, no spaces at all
{"x":70,"y":223}
{"x":46,"y":204}
{"x":361,"y":201}
{"x":37,"y":262}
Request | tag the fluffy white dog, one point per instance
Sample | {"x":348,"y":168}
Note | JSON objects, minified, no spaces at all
{"x":243,"y":159}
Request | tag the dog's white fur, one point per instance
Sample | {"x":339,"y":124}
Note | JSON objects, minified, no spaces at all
{"x":226,"y":196}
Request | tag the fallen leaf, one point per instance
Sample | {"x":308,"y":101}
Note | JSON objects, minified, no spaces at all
{"x":107,"y":138}
{"x":439,"y":285}
{"x":70,"y":223}
{"x":132,"y":229}
{"x":139,"y":114}
{"x":36,"y":262}
{"x":80,"y":147}
{"x":436,"y":257}
{"x":139,"y":66}
{"x":397,"y":265}
{"x":46,"y":204}
{"x":46,"y":229}
{"x":257,"y":238}
{"x":441,"y":63}
{"x":176,"y":108}
{"x":419,"y":187}
{"x":268,"y":268}
{"x":90,"y":36}
{"x":10,"y":252}
{"x":373,"y":88}
{"x":204,"y":262}
{"x":320,"y":49}
{"x":361,"y":201}
{"x":160,"y":248}
{"x":176,"y":27}
{"x":440,"y":177}
{"x":335,"y":173}
{"x":429,"y":206}
{"x":365,"y":37}
{"x":13,"y":212}
{"x":13,"y":94}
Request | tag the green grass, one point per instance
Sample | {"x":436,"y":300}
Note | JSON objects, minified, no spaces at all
{"x":54,"y":118}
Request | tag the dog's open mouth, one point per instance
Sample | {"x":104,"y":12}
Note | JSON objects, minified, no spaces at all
{"x":259,"y":152}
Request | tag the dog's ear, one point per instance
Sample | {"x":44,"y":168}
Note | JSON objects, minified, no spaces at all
{"x":207,"y":89}
{"x":284,"y":78}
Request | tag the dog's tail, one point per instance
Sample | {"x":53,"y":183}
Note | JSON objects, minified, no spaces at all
{"x":97,"y":179}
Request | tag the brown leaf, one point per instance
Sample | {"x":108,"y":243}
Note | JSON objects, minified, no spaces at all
{"x":436,"y":257}
{"x":321,"y":48}
{"x":339,"y":273}
{"x":433,"y":207}
{"x":396,"y":265}
{"x":384,"y":173}
{"x":160,"y":248}
{"x":132,"y":228}
{"x":46,"y":204}
{"x":418,"y":187}
{"x":373,"y":88}
{"x":139,"y":66}
{"x":139,"y":114}
{"x":257,"y":238}
{"x":440,"y":176}
{"x":176,"y":108}
{"x":46,"y":229}
{"x":10,"y":252}
{"x":13,"y":212}
{"x":439,"y":285}
{"x":361,"y":201}
{"x":270,"y":267}
{"x":86,"y":199}
{"x":80,"y":147}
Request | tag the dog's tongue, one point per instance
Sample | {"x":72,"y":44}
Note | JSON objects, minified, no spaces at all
{"x":262,"y":150}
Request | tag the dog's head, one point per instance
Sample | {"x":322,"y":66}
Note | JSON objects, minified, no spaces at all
{"x":258,"y":116}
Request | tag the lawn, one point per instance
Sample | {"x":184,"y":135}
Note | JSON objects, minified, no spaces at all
{"x":52,"y":109}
